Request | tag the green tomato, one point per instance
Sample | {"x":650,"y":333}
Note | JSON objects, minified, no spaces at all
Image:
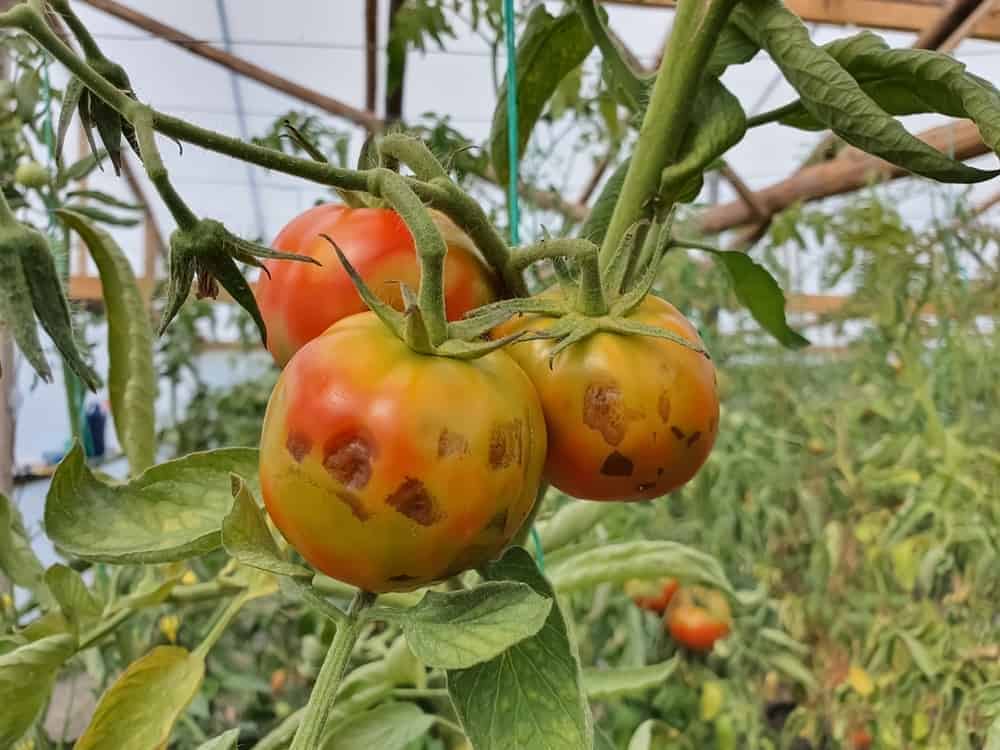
{"x":31,"y":174}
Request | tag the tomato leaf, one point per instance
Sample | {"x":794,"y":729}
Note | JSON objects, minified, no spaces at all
{"x":131,"y":373}
{"x":106,"y":198}
{"x":616,"y":563}
{"x":152,"y":692}
{"x":650,"y":735}
{"x":26,"y":678}
{"x":550,"y":48}
{"x":717,"y":124}
{"x":834,"y":98}
{"x":596,"y":225}
{"x":459,"y":629}
{"x":225,"y":741}
{"x":17,"y":560}
{"x":571,"y":522}
{"x":531,"y":695}
{"x":758,"y":291}
{"x":247,"y":538}
{"x":733,"y":47}
{"x":601,"y":684}
{"x":911,"y":81}
{"x":391,"y":726}
{"x":76,"y":601}
{"x":80,"y":169}
{"x":172,"y":511}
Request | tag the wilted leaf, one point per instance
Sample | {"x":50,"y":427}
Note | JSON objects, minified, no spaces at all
{"x":247,"y":538}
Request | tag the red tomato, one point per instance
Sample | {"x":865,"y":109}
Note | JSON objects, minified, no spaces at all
{"x":629,"y":417}
{"x":389,"y":469}
{"x":861,"y":739}
{"x":698,"y":617}
{"x":300,"y":300}
{"x":652,"y":595}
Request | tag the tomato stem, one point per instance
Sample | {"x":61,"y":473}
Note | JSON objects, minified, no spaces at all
{"x":692,"y":38}
{"x":320,"y":706}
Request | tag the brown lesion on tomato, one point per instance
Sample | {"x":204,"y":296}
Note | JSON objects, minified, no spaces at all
{"x":353,"y":502}
{"x":663,"y":406}
{"x":604,"y":411}
{"x":499,"y":522}
{"x":506,"y":444}
{"x":617,"y":465}
{"x":452,"y":443}
{"x":298,"y":445}
{"x":413,"y":500}
{"x":348,"y":459}
{"x":678,"y":432}
{"x":695,"y":437}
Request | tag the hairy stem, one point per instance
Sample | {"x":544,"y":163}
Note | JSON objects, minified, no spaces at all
{"x":692,"y":38}
{"x":81,"y":32}
{"x":153,"y":163}
{"x":310,"y":733}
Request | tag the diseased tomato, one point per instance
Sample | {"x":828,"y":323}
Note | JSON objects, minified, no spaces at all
{"x":652,"y":595}
{"x":301,"y":300}
{"x":861,"y":739}
{"x":389,"y":469}
{"x":629,"y":417}
{"x":698,"y":617}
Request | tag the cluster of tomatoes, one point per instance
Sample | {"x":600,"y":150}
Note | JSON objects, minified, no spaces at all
{"x":390,"y":469}
{"x":695,"y":617}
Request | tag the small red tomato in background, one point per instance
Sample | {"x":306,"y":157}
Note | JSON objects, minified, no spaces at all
{"x":389,"y":469}
{"x":301,"y":300}
{"x":698,"y":617}
{"x":861,"y":739}
{"x":652,"y":595}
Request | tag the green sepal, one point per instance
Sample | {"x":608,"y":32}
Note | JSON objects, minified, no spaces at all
{"x":224,"y":269}
{"x":458,"y":349}
{"x":182,"y":271}
{"x":564,"y":277}
{"x":618,"y":267}
{"x":635,"y":328}
{"x":49,"y":301}
{"x":111,"y":126}
{"x":386,"y":312}
{"x":18,"y":314}
{"x":71,"y":101}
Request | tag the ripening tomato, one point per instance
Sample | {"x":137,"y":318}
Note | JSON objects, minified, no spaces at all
{"x":629,"y":417}
{"x":861,"y":739}
{"x":652,"y":595}
{"x":301,"y":300}
{"x":698,"y":617}
{"x":389,"y":469}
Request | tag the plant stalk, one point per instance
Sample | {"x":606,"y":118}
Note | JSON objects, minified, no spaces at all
{"x":321,"y":700}
{"x":697,"y":24}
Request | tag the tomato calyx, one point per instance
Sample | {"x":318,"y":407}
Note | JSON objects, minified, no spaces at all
{"x":597,"y":298}
{"x":205,"y":250}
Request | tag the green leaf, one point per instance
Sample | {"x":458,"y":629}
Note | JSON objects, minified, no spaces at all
{"x":758,"y":291}
{"x":717,"y":124}
{"x":76,"y":601}
{"x":459,"y":629}
{"x":102,"y":197}
{"x":247,"y":538}
{"x":921,"y":656}
{"x":225,"y":741}
{"x":596,"y":225}
{"x":170,"y":512}
{"x":131,"y":373}
{"x":616,"y":563}
{"x":650,"y":735}
{"x":103,"y":217}
{"x":571,"y":522}
{"x":80,"y":169}
{"x":28,"y":90}
{"x":391,"y":726}
{"x":601,"y":684}
{"x":26,"y":678}
{"x":550,"y":48}
{"x":911,"y":81}
{"x":18,"y":314}
{"x":71,"y":99}
{"x":733,"y":47}
{"x":531,"y":695}
{"x":17,"y":560}
{"x":139,"y":710}
{"x":834,"y":98}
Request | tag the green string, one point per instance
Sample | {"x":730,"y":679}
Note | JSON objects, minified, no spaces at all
{"x":513,"y":209}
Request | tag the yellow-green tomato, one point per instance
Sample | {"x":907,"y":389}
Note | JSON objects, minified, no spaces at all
{"x":31,"y":174}
{"x":389,"y":469}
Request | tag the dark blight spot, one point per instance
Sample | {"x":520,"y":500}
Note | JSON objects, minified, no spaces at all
{"x":353,"y":502}
{"x":348,"y":459}
{"x":695,"y":437}
{"x":452,"y":444}
{"x":298,"y":446}
{"x":617,"y":465}
{"x":403,"y":578}
{"x":413,"y":500}
{"x":506,"y":444}
{"x":604,"y":411}
{"x":498,"y":522}
{"x":678,"y":433}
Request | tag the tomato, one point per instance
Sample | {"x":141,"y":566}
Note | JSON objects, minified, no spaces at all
{"x":389,"y":469}
{"x":698,"y":617}
{"x":861,"y":739}
{"x":629,"y":417}
{"x":31,"y":174}
{"x":301,"y":300}
{"x":652,"y":595}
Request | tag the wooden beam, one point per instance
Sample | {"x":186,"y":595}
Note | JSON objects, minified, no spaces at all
{"x":371,"y":54}
{"x":950,"y":19}
{"x":895,"y":15}
{"x":852,"y":170}
{"x":328,"y":104}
